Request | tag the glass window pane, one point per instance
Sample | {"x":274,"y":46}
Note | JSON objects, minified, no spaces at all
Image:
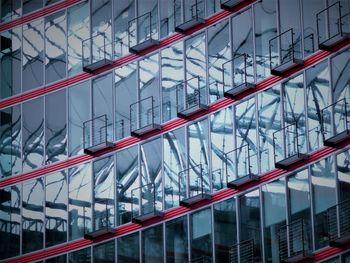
{"x":80,"y":256}
{"x":78,"y":113}
{"x":59,"y":259}
{"x":219,"y":52}
{"x":343,"y":169}
{"x":340,"y":78}
{"x":222,"y":141}
{"x":176,"y":240}
{"x":104,"y":253}
{"x":10,"y":62}
{"x":318,"y":97}
{"x":31,"y":5}
{"x":33,"y":134}
{"x":274,"y":195}
{"x":174,"y":152}
{"x":127,"y":179}
{"x":245,"y":122}
{"x":324,"y":196}
{"x":201,"y":234}
{"x":128,"y":249}
{"x":33,"y":55}
{"x":10,"y":141}
{"x":198,"y":150}
{"x":269,"y":112}
{"x":125,"y":94}
{"x":250,"y":222}
{"x":167,"y":23}
{"x":124,"y":11}
{"x":56,"y":127}
{"x":265,"y":15}
{"x":152,"y":245}
{"x":10,"y":223}
{"x":225,"y":229}
{"x":172,"y":68}
{"x":79,"y":200}
{"x":151,"y":168}
{"x":78,"y":30}
{"x":104,"y":193}
{"x":195,"y":58}
{"x":55,"y":46}
{"x":33,"y":216}
{"x":56,"y":208}
{"x":10,"y":9}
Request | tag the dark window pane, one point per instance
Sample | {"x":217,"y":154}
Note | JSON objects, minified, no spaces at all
{"x":104,"y":253}
{"x":128,"y":249}
{"x":10,"y":221}
{"x":343,"y":168}
{"x":79,"y":201}
{"x":31,"y":5}
{"x":152,"y":245}
{"x":56,"y":126}
{"x":10,"y":9}
{"x":10,"y":62}
{"x":33,"y":216}
{"x":201,"y":234}
{"x":59,"y":259}
{"x":225,"y":229}
{"x":176,"y":240}
{"x":56,"y":208}
{"x":10,"y":141}
{"x":80,"y":256}
{"x":33,"y":134}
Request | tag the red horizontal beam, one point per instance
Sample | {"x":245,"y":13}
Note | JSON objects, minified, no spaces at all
{"x":220,"y":104}
{"x":180,"y":211}
{"x":38,"y":14}
{"x":118,"y":62}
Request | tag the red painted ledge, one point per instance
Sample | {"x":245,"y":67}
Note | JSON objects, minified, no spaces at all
{"x":180,"y":211}
{"x":175,"y":123}
{"x":37,"y":14}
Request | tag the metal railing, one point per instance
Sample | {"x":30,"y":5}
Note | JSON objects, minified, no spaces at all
{"x":242,"y":252}
{"x":95,"y":132}
{"x":293,"y":240}
{"x":140,"y":29}
{"x":190,"y":94}
{"x":283,"y":49}
{"x":95,"y":49}
{"x":191,"y":182}
{"x":192,"y":10}
{"x":287,"y":142}
{"x":142,"y":114}
{"x":331,"y":23}
{"x":144,"y":200}
{"x":336,"y":113}
{"x":338,"y":221}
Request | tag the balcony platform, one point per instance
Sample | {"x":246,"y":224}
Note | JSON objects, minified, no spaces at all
{"x":143,"y":46}
{"x":142,"y":218}
{"x":242,"y":180}
{"x":331,"y":42}
{"x":229,"y":4}
{"x":95,"y":148}
{"x":285,"y":163}
{"x":238,"y":89}
{"x":98,"y":233}
{"x":194,"y":199}
{"x":333,"y":141}
{"x":189,"y":24}
{"x":146,"y":129}
{"x":300,"y":257}
{"x":281,"y":69}
{"x":96,"y":65}
{"x":192,"y":110}
{"x":340,"y":241}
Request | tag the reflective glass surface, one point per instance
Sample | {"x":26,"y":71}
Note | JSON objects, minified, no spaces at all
{"x":201,"y":234}
{"x":176,"y":240}
{"x":128,"y":249}
{"x":152,"y":245}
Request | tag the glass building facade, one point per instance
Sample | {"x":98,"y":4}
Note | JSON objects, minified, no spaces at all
{"x":174,"y":131}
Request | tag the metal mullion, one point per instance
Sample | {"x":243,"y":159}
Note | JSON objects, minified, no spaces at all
{"x":238,"y":221}
{"x":312,"y":214}
{"x":288,"y":214}
{"x":211,"y":207}
{"x":262,"y":224}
